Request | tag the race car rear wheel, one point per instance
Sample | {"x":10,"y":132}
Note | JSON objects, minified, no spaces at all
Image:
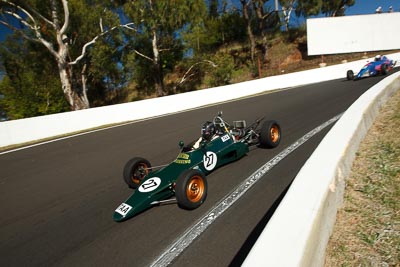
{"x":191,"y":189}
{"x":350,"y":75}
{"x":270,"y":135}
{"x":135,"y":170}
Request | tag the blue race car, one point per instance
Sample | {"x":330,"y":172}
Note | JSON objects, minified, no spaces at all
{"x":381,"y":65}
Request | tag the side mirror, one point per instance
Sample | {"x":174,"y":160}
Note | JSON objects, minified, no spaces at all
{"x":181,"y":144}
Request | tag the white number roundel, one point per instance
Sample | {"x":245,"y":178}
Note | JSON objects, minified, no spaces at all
{"x":209,"y":160}
{"x":150,"y":185}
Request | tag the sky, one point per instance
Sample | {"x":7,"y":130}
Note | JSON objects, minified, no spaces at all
{"x":361,"y":7}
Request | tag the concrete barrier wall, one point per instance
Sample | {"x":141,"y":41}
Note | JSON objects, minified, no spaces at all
{"x":299,"y":230}
{"x":37,"y":128}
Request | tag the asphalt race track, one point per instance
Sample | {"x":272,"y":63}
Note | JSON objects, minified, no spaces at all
{"x":57,"y":199}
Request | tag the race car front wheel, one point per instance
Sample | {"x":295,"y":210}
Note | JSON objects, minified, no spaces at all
{"x":270,"y":135}
{"x":191,"y":189}
{"x":384,"y":69}
{"x":135,"y":170}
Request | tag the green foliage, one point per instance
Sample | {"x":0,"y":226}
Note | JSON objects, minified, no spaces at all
{"x":334,"y":8}
{"x":104,"y":73}
{"x":140,"y":68}
{"x":308,"y":8}
{"x":215,"y":32}
{"x":33,"y":97}
{"x":222,"y":73}
{"x":31,"y":86}
{"x":192,"y":70}
{"x":330,"y":8}
{"x":158,"y":15}
{"x":160,"y":31}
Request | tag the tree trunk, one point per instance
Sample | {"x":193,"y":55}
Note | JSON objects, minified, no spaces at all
{"x":259,"y":10}
{"x":74,"y":94}
{"x":249,"y":31}
{"x":159,"y":76}
{"x":84,"y":97}
{"x":286,"y":17}
{"x":159,"y":80}
{"x":265,"y":47}
{"x":77,"y":99}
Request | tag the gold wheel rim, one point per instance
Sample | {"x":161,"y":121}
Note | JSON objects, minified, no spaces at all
{"x":274,"y":133}
{"x":195,"y":189}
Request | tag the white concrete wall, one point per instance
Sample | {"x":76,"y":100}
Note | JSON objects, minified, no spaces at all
{"x":299,"y":230}
{"x":27,"y":130}
{"x":349,"y":34}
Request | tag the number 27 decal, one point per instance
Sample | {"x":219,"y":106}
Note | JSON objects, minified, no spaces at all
{"x":209,"y":160}
{"x":150,"y":185}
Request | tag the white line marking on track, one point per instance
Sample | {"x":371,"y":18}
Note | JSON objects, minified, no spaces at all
{"x":198,"y":228}
{"x":56,"y":139}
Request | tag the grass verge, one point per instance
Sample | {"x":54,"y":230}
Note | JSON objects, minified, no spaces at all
{"x":367,"y":229}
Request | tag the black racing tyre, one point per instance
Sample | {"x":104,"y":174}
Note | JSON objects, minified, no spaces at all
{"x":191,"y":189}
{"x":350,"y":75}
{"x":270,"y":135}
{"x":384,"y":69}
{"x":135,"y":170}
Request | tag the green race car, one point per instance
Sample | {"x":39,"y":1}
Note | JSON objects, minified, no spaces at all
{"x":185,"y":178}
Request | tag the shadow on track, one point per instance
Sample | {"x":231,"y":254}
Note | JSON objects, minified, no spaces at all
{"x":256,"y":232}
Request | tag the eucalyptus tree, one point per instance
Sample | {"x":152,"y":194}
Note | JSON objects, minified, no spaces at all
{"x":330,"y":8}
{"x":246,"y":11}
{"x":67,"y":30}
{"x":288,"y":6}
{"x":208,"y":43}
{"x":222,"y":26}
{"x":267,"y":19}
{"x":308,"y":8}
{"x":335,"y":8}
{"x":160,"y":24}
{"x":259,"y":19}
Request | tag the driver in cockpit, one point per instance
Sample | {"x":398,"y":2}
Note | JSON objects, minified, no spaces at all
{"x":208,"y":133}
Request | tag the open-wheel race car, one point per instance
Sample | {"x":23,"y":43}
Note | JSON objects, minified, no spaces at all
{"x":380,"y":66}
{"x":185,"y":177}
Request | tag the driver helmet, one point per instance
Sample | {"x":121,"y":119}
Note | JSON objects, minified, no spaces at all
{"x":378,"y":57}
{"x":207,"y":130}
